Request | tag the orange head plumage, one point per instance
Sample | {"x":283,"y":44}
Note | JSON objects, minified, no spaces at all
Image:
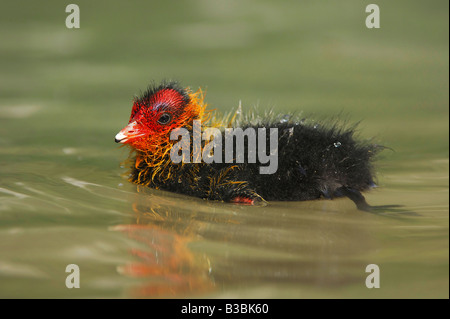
{"x":155,"y":114}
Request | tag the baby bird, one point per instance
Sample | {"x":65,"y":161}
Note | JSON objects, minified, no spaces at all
{"x":313,"y":161}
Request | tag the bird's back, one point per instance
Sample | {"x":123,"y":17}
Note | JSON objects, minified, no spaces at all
{"x":313,"y":161}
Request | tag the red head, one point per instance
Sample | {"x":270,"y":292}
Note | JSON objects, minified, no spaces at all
{"x":156,"y":113}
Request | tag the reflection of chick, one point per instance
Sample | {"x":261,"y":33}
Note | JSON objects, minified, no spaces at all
{"x":166,"y":261}
{"x":313,"y":161}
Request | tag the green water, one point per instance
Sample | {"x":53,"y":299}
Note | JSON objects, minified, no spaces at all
{"x":64,"y":94}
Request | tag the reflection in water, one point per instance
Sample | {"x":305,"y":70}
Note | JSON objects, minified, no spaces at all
{"x":189,"y":245}
{"x":171,"y":267}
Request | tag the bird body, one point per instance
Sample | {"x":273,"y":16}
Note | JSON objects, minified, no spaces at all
{"x":313,"y":161}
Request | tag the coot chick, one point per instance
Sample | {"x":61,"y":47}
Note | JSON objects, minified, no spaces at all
{"x":312,"y":161}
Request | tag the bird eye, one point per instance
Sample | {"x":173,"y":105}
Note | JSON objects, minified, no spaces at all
{"x":165,"y":118}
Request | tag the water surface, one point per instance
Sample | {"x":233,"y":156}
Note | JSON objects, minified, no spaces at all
{"x":64,"y":198}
